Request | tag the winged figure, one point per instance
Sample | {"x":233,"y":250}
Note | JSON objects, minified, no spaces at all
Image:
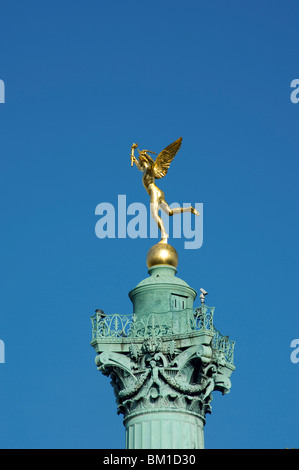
{"x":157,"y":169}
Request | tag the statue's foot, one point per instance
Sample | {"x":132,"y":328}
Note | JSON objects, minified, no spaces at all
{"x":164,"y":239}
{"x":194,"y":211}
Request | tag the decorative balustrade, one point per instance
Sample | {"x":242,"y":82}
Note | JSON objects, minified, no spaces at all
{"x":162,"y":324}
{"x":223,"y":344}
{"x":111,"y":326}
{"x":203,"y":317}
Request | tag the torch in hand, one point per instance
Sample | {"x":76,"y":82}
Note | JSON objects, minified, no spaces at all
{"x":134,"y":146}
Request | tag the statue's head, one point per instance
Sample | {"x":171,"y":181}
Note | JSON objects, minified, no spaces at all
{"x":144,"y":157}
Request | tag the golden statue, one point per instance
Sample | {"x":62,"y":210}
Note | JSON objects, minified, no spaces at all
{"x":155,"y":170}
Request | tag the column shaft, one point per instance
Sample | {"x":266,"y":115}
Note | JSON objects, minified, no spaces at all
{"x":164,"y":430}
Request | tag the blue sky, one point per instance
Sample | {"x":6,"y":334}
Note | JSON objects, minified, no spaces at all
{"x":83,"y":81}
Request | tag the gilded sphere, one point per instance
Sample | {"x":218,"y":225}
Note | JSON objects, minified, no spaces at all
{"x":162,"y":253}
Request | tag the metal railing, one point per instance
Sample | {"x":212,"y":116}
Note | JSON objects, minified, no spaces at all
{"x":225,"y":345}
{"x":162,"y":324}
{"x":154,"y":324}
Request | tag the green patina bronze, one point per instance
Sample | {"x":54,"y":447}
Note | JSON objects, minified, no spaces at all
{"x":164,"y":361}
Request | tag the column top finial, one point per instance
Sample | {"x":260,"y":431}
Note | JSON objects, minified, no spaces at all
{"x":162,"y":254}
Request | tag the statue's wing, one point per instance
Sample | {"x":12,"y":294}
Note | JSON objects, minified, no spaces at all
{"x":165,"y":157}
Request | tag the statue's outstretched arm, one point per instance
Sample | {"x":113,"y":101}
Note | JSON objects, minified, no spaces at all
{"x":133,"y":158}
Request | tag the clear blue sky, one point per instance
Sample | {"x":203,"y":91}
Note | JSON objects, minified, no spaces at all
{"x":85,"y":79}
